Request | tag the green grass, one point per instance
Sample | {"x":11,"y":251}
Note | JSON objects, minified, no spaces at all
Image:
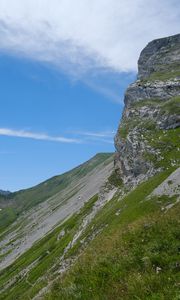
{"x":149,"y":125}
{"x":126,"y":127}
{"x":170,"y":71}
{"x":123,"y":131}
{"x":167,"y":142}
{"x":122,"y":261}
{"x":114,"y":180}
{"x":7,"y":216}
{"x":47,"y":253}
{"x":171,"y":74}
{"x":172,"y":106}
{"x":153,"y":103}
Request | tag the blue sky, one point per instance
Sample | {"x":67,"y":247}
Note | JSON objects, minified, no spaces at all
{"x":35,"y":100}
{"x":64,"y":67}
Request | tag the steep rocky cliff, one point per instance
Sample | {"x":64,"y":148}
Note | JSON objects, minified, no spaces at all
{"x":151,"y":114}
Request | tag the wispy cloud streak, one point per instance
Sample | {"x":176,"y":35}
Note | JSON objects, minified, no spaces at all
{"x":81,"y":137}
{"x":36,"y":136}
{"x":105,"y":137}
{"x":98,"y":134}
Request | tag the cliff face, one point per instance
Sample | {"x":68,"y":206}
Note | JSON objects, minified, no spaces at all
{"x":147,"y":135}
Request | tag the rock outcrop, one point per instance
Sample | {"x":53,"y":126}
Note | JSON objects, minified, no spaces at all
{"x":152,"y":111}
{"x":160,"y":55}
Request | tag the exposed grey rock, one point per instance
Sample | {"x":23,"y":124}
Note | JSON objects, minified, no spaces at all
{"x":130,"y":161}
{"x":162,"y":90}
{"x":169,"y":187}
{"x":148,"y":106}
{"x":158,"y":55}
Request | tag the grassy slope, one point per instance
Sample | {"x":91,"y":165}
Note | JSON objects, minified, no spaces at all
{"x":26,"y":199}
{"x":122,"y":262}
{"x":47,"y":253}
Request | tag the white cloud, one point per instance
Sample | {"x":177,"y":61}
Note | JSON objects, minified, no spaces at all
{"x":79,"y":36}
{"x":85,"y":137}
{"x":98,"y":134}
{"x":35,"y":136}
{"x":103,"y":137}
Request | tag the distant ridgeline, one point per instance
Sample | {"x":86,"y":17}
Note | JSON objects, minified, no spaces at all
{"x":4,"y":193}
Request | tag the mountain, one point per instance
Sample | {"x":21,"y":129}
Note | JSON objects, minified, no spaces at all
{"x":108,"y":229}
{"x":4,"y":193}
{"x":16,"y":203}
{"x":28,"y":215}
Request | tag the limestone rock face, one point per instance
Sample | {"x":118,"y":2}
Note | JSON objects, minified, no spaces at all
{"x":151,"y":114}
{"x":157,"y":89}
{"x":159,"y":55}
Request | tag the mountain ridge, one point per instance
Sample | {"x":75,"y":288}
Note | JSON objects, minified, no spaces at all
{"x":4,"y":193}
{"x":48,"y":204}
{"x":19,"y":200}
